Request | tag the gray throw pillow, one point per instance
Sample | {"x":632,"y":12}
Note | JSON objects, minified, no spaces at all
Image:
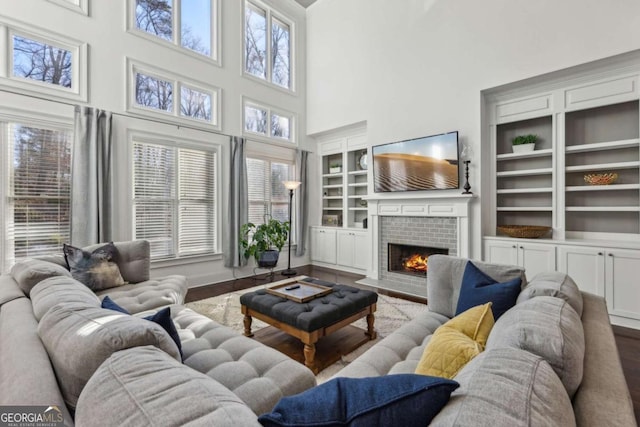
{"x":98,"y":269}
{"x":553,"y":284}
{"x":29,"y":272}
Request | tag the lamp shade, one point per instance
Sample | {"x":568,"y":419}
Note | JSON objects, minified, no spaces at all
{"x":291,"y":185}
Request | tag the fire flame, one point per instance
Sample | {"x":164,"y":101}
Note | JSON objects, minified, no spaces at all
{"x":415,"y":262}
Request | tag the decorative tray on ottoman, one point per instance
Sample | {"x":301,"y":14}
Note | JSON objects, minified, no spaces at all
{"x":524,"y":231}
{"x":299,"y":290}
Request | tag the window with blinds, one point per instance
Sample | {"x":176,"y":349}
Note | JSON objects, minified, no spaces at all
{"x":174,"y":200}
{"x":267,"y":195}
{"x":36,"y":208}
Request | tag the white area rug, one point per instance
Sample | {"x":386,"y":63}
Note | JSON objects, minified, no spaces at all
{"x":390,"y":315}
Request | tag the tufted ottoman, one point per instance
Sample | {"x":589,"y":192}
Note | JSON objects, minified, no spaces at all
{"x":314,"y":319}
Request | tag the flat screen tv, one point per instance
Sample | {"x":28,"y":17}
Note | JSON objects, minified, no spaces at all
{"x":427,"y":163}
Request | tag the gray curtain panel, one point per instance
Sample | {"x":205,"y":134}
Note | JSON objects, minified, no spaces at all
{"x":238,"y":204}
{"x":91,"y":177}
{"x":302,"y":207}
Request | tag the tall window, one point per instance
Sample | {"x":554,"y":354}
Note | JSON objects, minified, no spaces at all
{"x":188,"y":24}
{"x":37,"y":173}
{"x":175,"y":199}
{"x":267,"y":195}
{"x":267,"y":45}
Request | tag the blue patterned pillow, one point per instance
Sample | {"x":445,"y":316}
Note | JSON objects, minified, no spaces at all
{"x":478,"y":288}
{"x":97,"y":270}
{"x":391,"y":400}
{"x":162,"y":318}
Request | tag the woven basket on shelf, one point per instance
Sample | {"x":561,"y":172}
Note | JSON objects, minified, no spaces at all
{"x":600,"y":178}
{"x":524,"y":231}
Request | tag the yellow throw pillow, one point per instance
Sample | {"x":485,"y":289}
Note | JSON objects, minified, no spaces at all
{"x":456,"y":342}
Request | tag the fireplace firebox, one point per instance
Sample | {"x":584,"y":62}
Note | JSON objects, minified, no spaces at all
{"x":411,"y":259}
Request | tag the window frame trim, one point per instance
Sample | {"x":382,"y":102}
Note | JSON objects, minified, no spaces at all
{"x":292,"y":142}
{"x":146,"y":137}
{"x":82,"y":7}
{"x":174,"y":44}
{"x":174,"y":116}
{"x":79,"y":67}
{"x":271,"y":12}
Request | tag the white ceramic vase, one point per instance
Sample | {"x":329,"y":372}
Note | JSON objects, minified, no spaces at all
{"x":523,"y":148}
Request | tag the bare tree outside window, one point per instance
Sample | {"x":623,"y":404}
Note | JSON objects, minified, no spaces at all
{"x":280,"y":126}
{"x":255,"y":120}
{"x":39,"y":191}
{"x":195,"y":104}
{"x":157,"y":16}
{"x":255,"y":42}
{"x":280,"y":53}
{"x":154,"y":93}
{"x":42,"y":62}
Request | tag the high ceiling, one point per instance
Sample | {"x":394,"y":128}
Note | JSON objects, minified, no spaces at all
{"x":306,"y":3}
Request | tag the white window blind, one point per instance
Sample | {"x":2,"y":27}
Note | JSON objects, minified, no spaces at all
{"x":37,"y":205}
{"x":267,"y":195}
{"x":174,"y":200}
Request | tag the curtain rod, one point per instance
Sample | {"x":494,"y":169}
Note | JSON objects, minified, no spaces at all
{"x":117,"y":113}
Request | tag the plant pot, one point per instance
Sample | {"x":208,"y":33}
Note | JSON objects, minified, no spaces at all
{"x":268,"y":259}
{"x":335,"y":170}
{"x":523,"y":148}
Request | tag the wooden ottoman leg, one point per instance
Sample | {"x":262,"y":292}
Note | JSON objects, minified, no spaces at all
{"x":370,"y":331}
{"x":247,"y":326}
{"x":309,"y":356}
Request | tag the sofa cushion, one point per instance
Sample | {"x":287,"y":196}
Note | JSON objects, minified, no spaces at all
{"x":507,"y":387}
{"x":97,"y":269}
{"x":479,"y":288}
{"x":258,"y":374}
{"x":78,"y":338}
{"x":445,"y":278}
{"x":456,"y":342}
{"x":143,"y":386}
{"x":401,"y":400}
{"x":149,"y":295}
{"x":29,"y":272}
{"x":52,"y":291}
{"x":550,"y":328}
{"x":553,"y":284}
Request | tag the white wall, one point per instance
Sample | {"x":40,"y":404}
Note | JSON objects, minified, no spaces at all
{"x":109,"y":44}
{"x":416,"y":67}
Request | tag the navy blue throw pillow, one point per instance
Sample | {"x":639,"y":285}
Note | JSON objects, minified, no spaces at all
{"x":478,"y":288}
{"x":391,"y":400}
{"x":108,"y":303}
{"x":162,"y":318}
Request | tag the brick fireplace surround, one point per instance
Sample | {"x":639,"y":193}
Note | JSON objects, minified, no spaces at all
{"x":438,"y":221}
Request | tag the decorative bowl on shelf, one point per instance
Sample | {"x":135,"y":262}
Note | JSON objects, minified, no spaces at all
{"x":524,"y":231}
{"x":600,"y":178}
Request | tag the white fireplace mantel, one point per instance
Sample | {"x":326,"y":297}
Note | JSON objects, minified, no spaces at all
{"x":403,"y":205}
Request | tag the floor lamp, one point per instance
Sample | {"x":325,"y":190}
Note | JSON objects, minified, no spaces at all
{"x":290,"y":185}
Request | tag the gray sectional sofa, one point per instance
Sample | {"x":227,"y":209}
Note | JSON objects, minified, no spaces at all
{"x":58,"y":347}
{"x":550,"y":360}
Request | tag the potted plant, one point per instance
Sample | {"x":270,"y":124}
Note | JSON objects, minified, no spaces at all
{"x":524,"y":143}
{"x":335,"y":167}
{"x":264,"y":242}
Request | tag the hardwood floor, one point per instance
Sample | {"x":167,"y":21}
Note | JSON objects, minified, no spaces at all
{"x":628,"y":340}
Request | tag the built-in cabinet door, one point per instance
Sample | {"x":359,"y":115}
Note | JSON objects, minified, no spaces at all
{"x":622,"y":283}
{"x":362,"y":250}
{"x":323,"y":245}
{"x":500,"y":252}
{"x":346,"y":248}
{"x":585,"y":265}
{"x":536,"y":258}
